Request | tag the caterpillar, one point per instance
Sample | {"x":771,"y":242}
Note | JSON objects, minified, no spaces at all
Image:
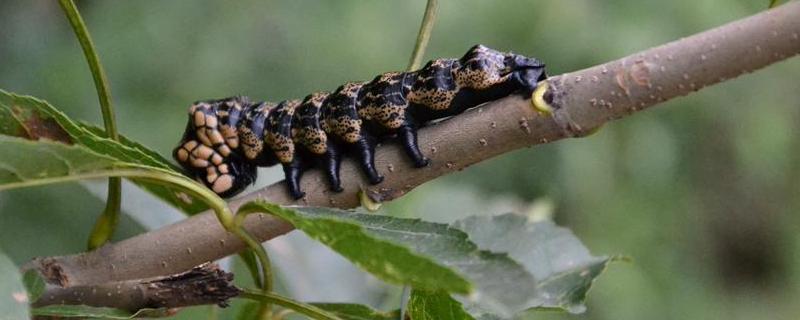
{"x":226,"y":139}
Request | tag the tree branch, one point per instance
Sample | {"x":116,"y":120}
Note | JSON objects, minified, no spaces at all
{"x":582,"y":100}
{"x":205,"y":284}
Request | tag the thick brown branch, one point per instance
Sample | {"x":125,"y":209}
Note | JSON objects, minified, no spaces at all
{"x":584,"y":100}
{"x":205,"y":284}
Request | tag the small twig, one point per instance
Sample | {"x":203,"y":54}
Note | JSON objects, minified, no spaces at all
{"x":107,"y":222}
{"x":424,"y":35}
{"x":262,"y":257}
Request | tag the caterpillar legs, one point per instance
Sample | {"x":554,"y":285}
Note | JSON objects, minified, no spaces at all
{"x":331,"y":162}
{"x":366,"y":152}
{"x":408,"y":137}
{"x":293,"y":171}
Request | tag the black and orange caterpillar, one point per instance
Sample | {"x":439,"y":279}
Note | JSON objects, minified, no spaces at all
{"x":225,"y":140}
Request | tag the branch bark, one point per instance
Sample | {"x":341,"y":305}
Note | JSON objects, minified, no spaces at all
{"x":583,"y":100}
{"x":205,"y":284}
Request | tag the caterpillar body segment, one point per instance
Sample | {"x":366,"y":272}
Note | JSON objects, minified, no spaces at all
{"x":226,"y":139}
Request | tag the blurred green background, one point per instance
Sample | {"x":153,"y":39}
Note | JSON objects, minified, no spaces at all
{"x":702,"y":192}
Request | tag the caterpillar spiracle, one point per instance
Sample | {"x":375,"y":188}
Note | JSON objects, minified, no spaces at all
{"x":226,"y":139}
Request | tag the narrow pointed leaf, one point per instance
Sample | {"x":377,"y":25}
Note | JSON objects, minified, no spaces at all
{"x":33,"y":119}
{"x":39,"y":162}
{"x":34,"y":163}
{"x":153,"y":157}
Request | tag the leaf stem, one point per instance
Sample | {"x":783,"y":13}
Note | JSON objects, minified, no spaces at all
{"x":306,"y":309}
{"x":98,"y":74}
{"x":424,"y":34}
{"x":107,"y":222}
{"x":261,"y":254}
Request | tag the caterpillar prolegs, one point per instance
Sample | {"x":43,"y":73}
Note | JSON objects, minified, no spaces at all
{"x":225,"y":140}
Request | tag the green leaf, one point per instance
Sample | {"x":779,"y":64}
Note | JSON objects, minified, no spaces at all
{"x":41,"y":162}
{"x":425,"y":255}
{"x":429,"y":305}
{"x":349,"y":311}
{"x":34,"y":283}
{"x":563,"y":267}
{"x":80,"y":311}
{"x":13,"y":297}
{"x":42,"y":121}
{"x":163,"y":163}
{"x":33,"y":119}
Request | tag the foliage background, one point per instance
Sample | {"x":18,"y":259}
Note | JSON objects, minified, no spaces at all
{"x":701,"y":192}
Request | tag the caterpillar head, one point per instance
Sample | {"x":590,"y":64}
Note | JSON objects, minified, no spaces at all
{"x":524,"y":70}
